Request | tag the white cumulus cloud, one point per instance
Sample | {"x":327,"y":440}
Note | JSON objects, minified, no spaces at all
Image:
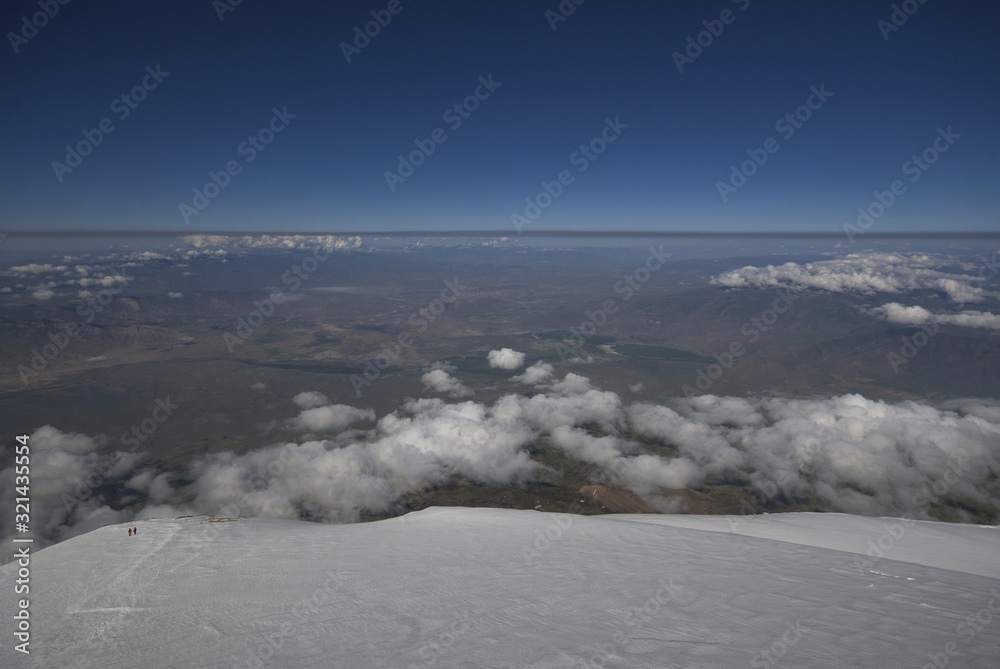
{"x":440,"y":381}
{"x":538,"y":373}
{"x":505,"y":358}
{"x":894,"y":312}
{"x":332,"y":418}
{"x":310,"y":399}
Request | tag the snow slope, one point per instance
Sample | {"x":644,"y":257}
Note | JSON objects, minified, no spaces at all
{"x":453,"y":587}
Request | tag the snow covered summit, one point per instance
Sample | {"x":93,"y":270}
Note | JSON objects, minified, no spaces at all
{"x":456,"y":587}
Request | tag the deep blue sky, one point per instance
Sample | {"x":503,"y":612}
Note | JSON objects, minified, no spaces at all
{"x":325,"y":171}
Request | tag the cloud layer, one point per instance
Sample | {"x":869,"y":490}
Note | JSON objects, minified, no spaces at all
{"x":865,"y":274}
{"x":284,"y":242}
{"x":896,"y":313}
{"x":855,"y":454}
{"x":94,"y":273}
{"x":71,"y":477}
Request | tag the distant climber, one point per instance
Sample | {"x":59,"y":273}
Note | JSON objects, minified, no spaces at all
{"x":130,"y":531}
{"x":135,"y":530}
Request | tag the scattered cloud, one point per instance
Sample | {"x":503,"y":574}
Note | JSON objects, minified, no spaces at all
{"x":440,"y":381}
{"x":505,"y":358}
{"x":865,"y":274}
{"x":286,"y":242}
{"x":35,"y":268}
{"x":101,"y":273}
{"x":105,"y":281}
{"x":329,"y":419}
{"x":310,"y":399}
{"x":441,"y":364}
{"x":572,"y":384}
{"x":538,"y":373}
{"x":896,"y":313}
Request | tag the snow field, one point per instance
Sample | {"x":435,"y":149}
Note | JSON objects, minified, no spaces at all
{"x":452,"y":587}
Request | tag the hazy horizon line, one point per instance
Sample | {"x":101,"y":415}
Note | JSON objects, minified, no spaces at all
{"x":964,"y":234}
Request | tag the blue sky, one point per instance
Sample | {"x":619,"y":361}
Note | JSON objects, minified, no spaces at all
{"x":325,"y":169}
